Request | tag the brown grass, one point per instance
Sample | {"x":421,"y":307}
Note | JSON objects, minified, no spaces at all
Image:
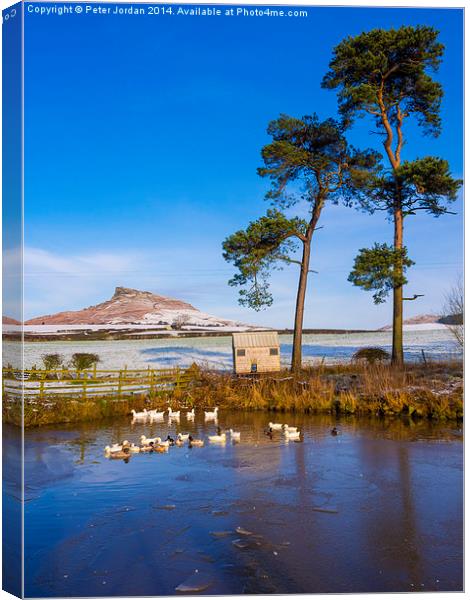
{"x":432,"y":391}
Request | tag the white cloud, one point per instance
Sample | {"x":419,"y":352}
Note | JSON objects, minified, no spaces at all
{"x":55,"y":282}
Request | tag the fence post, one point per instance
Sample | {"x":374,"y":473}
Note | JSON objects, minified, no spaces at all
{"x":94,"y":371}
{"x":424,"y":356}
{"x":41,"y":389}
{"x":177,"y":378}
{"x":84,"y":385}
{"x":120,"y":385}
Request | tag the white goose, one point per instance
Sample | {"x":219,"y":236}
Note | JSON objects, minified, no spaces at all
{"x":173,"y":414}
{"x":139,"y":415}
{"x":275,"y":426}
{"x":191,"y":414}
{"x":235,"y":435}
{"x":145,"y":441}
{"x":164,"y":444}
{"x":211,"y":415}
{"x":183,"y":436}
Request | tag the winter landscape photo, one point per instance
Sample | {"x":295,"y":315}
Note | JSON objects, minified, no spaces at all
{"x":232,"y":299}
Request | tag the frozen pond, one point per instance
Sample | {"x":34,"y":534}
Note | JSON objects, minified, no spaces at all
{"x":377,"y":508}
{"x":216,"y":352}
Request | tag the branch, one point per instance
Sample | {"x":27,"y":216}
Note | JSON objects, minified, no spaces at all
{"x":392,"y":70}
{"x":299,"y":235}
{"x":373,"y":112}
{"x":386,"y":123}
{"x":414,"y":297}
{"x":442,"y":211}
{"x":287,"y":259}
{"x":399,"y":134}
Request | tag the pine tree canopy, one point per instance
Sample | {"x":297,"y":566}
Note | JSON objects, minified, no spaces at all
{"x":317,"y":155}
{"x":375,"y":269}
{"x":388,"y":70}
{"x":255,"y":250}
{"x":425,"y":184}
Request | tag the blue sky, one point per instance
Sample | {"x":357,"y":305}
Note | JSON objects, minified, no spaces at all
{"x":143,"y":136}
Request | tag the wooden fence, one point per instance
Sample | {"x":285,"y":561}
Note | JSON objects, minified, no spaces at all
{"x":66,"y":383}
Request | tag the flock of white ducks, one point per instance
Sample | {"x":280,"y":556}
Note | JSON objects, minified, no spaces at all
{"x":157,"y":444}
{"x":155,"y":415}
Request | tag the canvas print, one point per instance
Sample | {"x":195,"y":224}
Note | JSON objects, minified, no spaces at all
{"x":232,"y":299}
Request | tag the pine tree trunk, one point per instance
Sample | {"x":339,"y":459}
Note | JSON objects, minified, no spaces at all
{"x":299,"y":308}
{"x":397,"y":345}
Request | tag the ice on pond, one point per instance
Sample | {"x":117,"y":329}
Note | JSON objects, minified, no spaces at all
{"x":242,"y":531}
{"x":221,"y":534}
{"x":197,"y":582}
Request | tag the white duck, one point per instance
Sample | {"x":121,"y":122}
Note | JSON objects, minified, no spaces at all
{"x":290,"y":429}
{"x":145,"y":441}
{"x":116,"y":447}
{"x":139,"y":415}
{"x":174,"y":414}
{"x":183,"y":436}
{"x":191,"y":414}
{"x":164,"y":444}
{"x":219,"y":438}
{"x":211,"y":415}
{"x":235,"y":435}
{"x":134,"y":449}
{"x":292,"y":435}
{"x":155,"y":414}
{"x":275,"y":426}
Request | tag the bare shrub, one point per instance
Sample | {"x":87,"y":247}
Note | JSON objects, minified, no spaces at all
{"x":453,"y":312}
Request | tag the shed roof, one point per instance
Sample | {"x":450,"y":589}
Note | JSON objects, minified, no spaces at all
{"x":256,"y":339}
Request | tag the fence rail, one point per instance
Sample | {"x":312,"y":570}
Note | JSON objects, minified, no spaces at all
{"x":42,"y":383}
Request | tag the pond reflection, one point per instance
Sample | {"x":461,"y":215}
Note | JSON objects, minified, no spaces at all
{"x":376,"y":508}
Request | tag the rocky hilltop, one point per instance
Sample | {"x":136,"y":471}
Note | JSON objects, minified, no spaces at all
{"x":134,"y":307}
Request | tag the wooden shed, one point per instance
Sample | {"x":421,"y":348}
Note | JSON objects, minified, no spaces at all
{"x":256,"y":352}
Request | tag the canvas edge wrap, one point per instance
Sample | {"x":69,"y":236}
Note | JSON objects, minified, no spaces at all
{"x":12,"y":290}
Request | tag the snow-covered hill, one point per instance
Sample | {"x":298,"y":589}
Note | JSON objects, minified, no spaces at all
{"x":134,"y":307}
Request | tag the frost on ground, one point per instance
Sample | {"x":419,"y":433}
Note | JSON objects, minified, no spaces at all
{"x":216,"y":352}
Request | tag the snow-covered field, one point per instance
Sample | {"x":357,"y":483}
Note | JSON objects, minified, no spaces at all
{"x":216,"y":352}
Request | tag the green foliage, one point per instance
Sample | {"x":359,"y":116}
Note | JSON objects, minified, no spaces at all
{"x":424,"y":184}
{"x":390,"y":66}
{"x":371,"y":354}
{"x":52,"y":361}
{"x":255,"y":251}
{"x":84,"y":360}
{"x":380,"y":268}
{"x":427,"y":184}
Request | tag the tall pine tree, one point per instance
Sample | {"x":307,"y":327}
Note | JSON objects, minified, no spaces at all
{"x":386,"y":75}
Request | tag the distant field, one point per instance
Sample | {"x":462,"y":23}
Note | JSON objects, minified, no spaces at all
{"x":216,"y":352}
